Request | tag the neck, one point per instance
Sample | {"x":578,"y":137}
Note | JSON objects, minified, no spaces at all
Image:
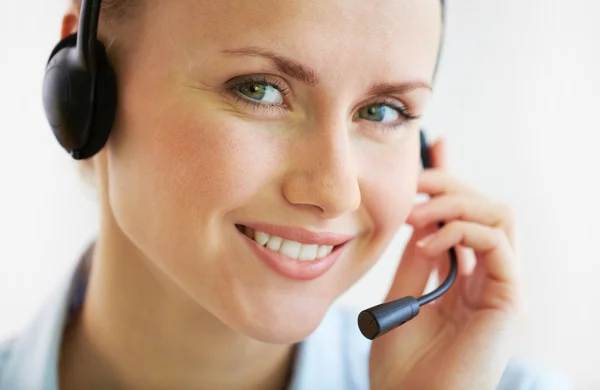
{"x":138,"y":328}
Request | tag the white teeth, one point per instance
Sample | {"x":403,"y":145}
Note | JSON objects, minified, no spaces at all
{"x":324,"y":250}
{"x":308,"y":252}
{"x":292,"y":249}
{"x":261,"y":238}
{"x":274,"y":243}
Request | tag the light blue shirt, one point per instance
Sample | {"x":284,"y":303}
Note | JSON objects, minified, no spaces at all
{"x":334,"y":357}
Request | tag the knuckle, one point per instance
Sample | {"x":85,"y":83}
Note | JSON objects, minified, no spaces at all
{"x":459,"y":204}
{"x":498,"y":236}
{"x":456,"y":228}
{"x":509,"y":298}
{"x":508,"y":213}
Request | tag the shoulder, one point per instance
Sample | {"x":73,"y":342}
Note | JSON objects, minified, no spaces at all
{"x":339,"y":340}
{"x":4,"y":350}
{"x":29,"y":359}
{"x":5,"y":353}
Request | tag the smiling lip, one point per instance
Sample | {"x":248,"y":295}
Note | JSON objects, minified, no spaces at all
{"x":300,"y":235}
{"x":291,"y":268}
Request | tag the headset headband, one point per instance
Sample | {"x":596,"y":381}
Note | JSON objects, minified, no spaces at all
{"x":88,"y":31}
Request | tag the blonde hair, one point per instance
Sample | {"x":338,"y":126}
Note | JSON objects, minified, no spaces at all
{"x":114,"y":9}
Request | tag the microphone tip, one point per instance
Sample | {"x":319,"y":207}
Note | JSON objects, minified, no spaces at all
{"x":368,"y":325}
{"x":380,"y":319}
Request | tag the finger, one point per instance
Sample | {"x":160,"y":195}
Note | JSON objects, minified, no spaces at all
{"x":482,"y":290}
{"x":414,"y":269}
{"x":438,"y":182}
{"x":466,"y":264}
{"x":490,"y":243}
{"x":421,"y":218}
{"x":439,"y":157}
{"x":466,"y":208}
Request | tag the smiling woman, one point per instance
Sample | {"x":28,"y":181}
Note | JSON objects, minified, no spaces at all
{"x":263,"y":154}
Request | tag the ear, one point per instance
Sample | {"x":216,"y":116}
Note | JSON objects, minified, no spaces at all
{"x":70,"y":22}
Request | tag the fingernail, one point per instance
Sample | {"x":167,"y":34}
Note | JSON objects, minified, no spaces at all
{"x":425,"y":240}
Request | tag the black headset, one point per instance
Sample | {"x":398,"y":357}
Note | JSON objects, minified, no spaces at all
{"x":80,"y":99}
{"x":80,"y":89}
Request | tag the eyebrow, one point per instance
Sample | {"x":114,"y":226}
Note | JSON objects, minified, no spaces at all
{"x":306,"y":75}
{"x":398,"y":88}
{"x":285,"y":65}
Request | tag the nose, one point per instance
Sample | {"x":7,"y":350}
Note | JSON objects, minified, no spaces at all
{"x":323,"y":174}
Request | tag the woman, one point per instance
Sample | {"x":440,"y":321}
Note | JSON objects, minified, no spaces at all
{"x":263,"y":155}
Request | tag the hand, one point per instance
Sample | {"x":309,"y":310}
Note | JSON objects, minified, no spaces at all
{"x":464,"y":339}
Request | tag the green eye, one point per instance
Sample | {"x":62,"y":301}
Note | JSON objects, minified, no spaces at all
{"x":379,"y":113}
{"x":261,"y":92}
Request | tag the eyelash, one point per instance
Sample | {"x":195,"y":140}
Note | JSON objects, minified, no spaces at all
{"x":279,"y":108}
{"x":402,"y":110}
{"x":273,"y":108}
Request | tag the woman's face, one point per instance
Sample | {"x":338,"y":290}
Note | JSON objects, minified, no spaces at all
{"x":296,"y":118}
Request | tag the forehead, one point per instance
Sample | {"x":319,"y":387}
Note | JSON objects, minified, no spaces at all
{"x":326,"y":34}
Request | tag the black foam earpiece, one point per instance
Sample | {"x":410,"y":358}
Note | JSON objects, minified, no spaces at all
{"x":80,"y":91}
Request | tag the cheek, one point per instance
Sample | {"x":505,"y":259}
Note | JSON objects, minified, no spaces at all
{"x":216,"y":162}
{"x":200,"y":164}
{"x":390,"y":183}
{"x":175,"y":171}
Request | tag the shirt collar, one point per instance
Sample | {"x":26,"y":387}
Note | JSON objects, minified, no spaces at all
{"x":33,"y":355}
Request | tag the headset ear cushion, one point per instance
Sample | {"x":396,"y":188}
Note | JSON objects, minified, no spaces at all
{"x":68,"y":41}
{"x":66,"y":95}
{"x":105,"y":106}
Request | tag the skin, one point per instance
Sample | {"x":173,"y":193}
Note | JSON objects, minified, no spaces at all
{"x":175,"y":300}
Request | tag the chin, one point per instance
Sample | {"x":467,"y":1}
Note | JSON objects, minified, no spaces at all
{"x":285,"y":327}
{"x":256,"y":299}
{"x":278,"y":320}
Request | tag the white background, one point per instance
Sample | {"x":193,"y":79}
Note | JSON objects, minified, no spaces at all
{"x":518,"y":98}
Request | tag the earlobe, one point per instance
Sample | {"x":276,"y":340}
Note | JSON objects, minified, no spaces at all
{"x":70,"y":22}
